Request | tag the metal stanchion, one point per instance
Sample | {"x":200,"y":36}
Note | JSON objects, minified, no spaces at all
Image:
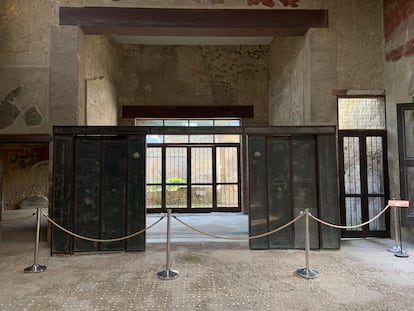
{"x":36,"y":268}
{"x":401,"y":253}
{"x":167,"y":273}
{"x":307,"y":273}
{"x":396,"y":248}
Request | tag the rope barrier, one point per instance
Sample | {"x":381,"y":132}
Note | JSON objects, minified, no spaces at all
{"x":101,"y":240}
{"x":350,"y":227}
{"x":15,"y":221}
{"x":301,"y":214}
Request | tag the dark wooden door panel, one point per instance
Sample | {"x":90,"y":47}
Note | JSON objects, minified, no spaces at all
{"x":87,"y":193}
{"x":113,"y":192}
{"x":289,"y":172}
{"x":279,"y":190}
{"x":98,"y":189}
{"x":257,"y":192}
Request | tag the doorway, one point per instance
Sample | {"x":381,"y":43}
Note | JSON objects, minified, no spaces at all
{"x":193,"y":177}
{"x":405,"y":121}
{"x":192,"y":172}
{"x":363,"y":169}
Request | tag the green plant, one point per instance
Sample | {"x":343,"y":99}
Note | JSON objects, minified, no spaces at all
{"x":174,"y":183}
{"x":154,"y":187}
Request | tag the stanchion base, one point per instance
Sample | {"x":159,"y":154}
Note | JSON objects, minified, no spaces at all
{"x":402,"y":254}
{"x":35,"y":269}
{"x":167,"y":274}
{"x":307,"y":273}
{"x":394,"y":249}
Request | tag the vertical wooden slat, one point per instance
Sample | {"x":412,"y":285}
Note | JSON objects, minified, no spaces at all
{"x":62,"y":192}
{"x":328,"y":189}
{"x":87,"y":192}
{"x":258,"y":220}
{"x":304,"y":183}
{"x":279,"y":192}
{"x":114,"y":190}
{"x":136,"y":191}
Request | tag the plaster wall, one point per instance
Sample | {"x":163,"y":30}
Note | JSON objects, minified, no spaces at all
{"x":66,"y":71}
{"x":288,"y":71}
{"x":101,"y":69}
{"x":24,"y":66}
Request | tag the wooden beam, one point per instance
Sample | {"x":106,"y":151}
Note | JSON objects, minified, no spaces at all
{"x":191,"y":22}
{"x":187,"y":112}
{"x":25,"y":138}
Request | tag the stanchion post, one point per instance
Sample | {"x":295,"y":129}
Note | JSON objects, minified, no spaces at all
{"x":36,"y":268}
{"x":398,"y":204}
{"x":307,"y":272}
{"x":396,"y":248}
{"x":167,"y":273}
{"x":401,"y":253}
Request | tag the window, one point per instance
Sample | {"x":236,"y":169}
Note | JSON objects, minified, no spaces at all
{"x":192,"y":172}
{"x":184,"y":139}
{"x":361,"y":113}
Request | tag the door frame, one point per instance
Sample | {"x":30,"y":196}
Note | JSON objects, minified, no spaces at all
{"x":364,"y":195}
{"x":405,"y":162}
{"x":189,"y":183}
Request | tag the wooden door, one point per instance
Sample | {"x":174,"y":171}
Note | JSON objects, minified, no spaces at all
{"x":291,"y":169}
{"x":98,"y":190}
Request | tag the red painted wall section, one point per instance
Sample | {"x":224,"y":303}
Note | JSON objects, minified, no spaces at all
{"x":398,"y":29}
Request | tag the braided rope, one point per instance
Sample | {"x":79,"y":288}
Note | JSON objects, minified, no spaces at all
{"x":301,"y":214}
{"x":15,"y":221}
{"x":101,"y":240}
{"x":349,"y":227}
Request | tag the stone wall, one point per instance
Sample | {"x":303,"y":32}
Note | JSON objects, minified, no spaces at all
{"x":195,"y":75}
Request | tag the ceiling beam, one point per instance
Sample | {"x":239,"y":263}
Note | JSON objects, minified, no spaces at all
{"x":187,"y":112}
{"x":191,"y":22}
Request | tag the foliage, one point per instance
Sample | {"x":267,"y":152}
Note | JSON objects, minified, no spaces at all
{"x":173,"y":182}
